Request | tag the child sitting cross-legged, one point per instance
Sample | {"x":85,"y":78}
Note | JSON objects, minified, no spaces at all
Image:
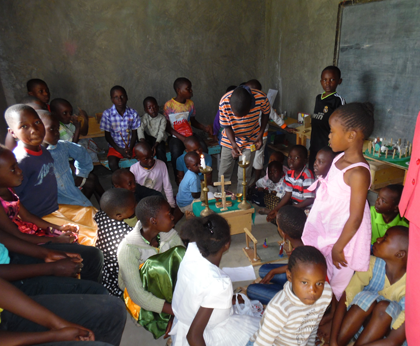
{"x":298,"y":179}
{"x":155,"y":247}
{"x":116,"y":205}
{"x":373,"y":305}
{"x":385,"y":213}
{"x":290,"y":224}
{"x":292,"y":317}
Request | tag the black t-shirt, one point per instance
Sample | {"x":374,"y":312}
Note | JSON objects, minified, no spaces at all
{"x":320,"y":126}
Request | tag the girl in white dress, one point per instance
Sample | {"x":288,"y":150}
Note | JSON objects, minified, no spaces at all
{"x":202,"y":301}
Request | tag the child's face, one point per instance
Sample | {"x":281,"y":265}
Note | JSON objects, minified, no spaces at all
{"x":388,"y":245}
{"x":52,"y":133}
{"x":41,"y":92}
{"x":127,"y":181}
{"x":194,"y":146}
{"x":29,"y":129}
{"x":282,"y":234}
{"x":145,"y":158}
{"x":322,"y":163}
{"x":165,"y":219}
{"x":385,"y":203}
{"x":274,"y":174}
{"x":64,"y":112}
{"x":308,"y":281}
{"x":295,"y":160}
{"x":10,"y":173}
{"x":330,"y":81}
{"x":185,"y":91}
{"x":119,"y":99}
{"x":151,"y":108}
{"x":338,"y":135}
{"x":194,"y":165}
{"x":127,"y":213}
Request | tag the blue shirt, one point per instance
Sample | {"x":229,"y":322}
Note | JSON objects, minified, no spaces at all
{"x":118,"y":126}
{"x":189,"y":184}
{"x":181,"y":166}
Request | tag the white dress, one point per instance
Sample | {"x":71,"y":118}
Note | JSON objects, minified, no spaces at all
{"x":202,"y":284}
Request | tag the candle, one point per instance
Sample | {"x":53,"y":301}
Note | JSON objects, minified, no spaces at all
{"x":202,"y":162}
{"x":243,"y":159}
{"x":393,"y":155}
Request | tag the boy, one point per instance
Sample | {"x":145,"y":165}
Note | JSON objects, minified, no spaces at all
{"x":151,"y":173}
{"x":323,"y":162}
{"x":71,"y":126}
{"x":191,"y":144}
{"x":190,"y":187}
{"x":153,"y":127}
{"x":293,"y":315}
{"x":240,"y":117}
{"x":124,"y":179}
{"x":180,"y":115}
{"x":385,"y":213}
{"x":298,"y":179}
{"x":375,"y":299}
{"x":38,"y":88}
{"x":290,"y":224}
{"x":116,"y":205}
{"x":120,"y":123}
{"x":325,"y":104}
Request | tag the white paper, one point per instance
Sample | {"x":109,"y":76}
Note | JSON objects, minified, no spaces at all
{"x":240,"y":273}
{"x":271,"y":96}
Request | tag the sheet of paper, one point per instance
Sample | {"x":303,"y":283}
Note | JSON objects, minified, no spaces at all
{"x":271,"y":96}
{"x":240,"y":273}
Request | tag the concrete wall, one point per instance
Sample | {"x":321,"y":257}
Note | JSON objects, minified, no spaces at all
{"x":82,"y":48}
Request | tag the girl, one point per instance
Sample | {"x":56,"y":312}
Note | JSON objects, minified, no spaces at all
{"x":202,"y":299}
{"x":15,"y":219}
{"x":339,"y":222}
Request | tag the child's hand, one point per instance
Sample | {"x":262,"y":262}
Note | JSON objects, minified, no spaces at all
{"x":66,"y":238}
{"x":82,"y":113}
{"x":75,"y":121}
{"x":169,"y":327}
{"x":67,"y":267}
{"x":208,"y":129}
{"x":69,"y":227}
{"x":74,"y":334}
{"x":236,"y":152}
{"x":271,"y":216}
{"x":290,"y":130}
{"x":268,"y":277}
{"x":338,"y":257}
{"x":154,"y":149}
{"x":53,"y":255}
{"x":258,"y":144}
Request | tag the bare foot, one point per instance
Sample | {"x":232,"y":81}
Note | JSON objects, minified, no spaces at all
{"x":264,"y":211}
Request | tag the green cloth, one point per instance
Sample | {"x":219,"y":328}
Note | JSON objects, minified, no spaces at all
{"x":197,"y":207}
{"x":158,"y":275}
{"x":379,"y":226}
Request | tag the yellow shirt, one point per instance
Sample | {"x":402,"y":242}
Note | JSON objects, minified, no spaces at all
{"x":394,"y":292}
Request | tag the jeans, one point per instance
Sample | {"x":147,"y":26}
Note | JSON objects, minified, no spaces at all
{"x":103,"y":314}
{"x":265,"y":292}
{"x":160,"y":149}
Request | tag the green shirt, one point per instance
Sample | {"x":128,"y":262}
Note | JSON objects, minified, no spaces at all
{"x":379,"y":226}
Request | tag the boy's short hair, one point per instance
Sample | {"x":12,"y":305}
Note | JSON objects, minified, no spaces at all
{"x":230,"y":88}
{"x":306,"y":254}
{"x":301,"y":149}
{"x":278,"y":155}
{"x":11,"y":112}
{"x":334,"y":69}
{"x":397,"y":189}
{"x":30,"y":99}
{"x":117,"y":87}
{"x":291,"y":221}
{"x":180,"y":82}
{"x":254,"y":84}
{"x":190,"y":156}
{"x":149,"y":207}
{"x":148,"y":99}
{"x":32,"y":83}
{"x":116,"y":200}
{"x":116,"y":176}
{"x":241,"y":100}
{"x":276,"y":164}
{"x":56,"y":102}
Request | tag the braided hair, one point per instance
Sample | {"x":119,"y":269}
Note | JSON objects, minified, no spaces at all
{"x":306,"y":254}
{"x":210,"y":233}
{"x":356,"y":116}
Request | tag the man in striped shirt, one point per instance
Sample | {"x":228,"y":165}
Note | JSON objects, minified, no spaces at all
{"x":242,"y":133}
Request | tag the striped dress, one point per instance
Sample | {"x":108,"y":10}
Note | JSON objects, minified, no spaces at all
{"x":289,"y":322}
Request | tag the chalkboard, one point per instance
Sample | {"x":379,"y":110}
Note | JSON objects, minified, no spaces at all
{"x":378,"y":53}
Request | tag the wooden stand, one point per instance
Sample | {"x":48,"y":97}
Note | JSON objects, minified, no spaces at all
{"x":251,"y":253}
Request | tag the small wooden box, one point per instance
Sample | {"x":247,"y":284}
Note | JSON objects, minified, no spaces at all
{"x":383,"y":175}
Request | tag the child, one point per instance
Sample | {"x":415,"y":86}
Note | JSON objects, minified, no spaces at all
{"x":385,"y":213}
{"x":180,"y":115}
{"x":298,"y":180}
{"x":153,"y":234}
{"x":38,"y":190}
{"x":275,"y":156}
{"x":151,"y":173}
{"x":153,"y":128}
{"x":339,"y":222}
{"x":293,"y":315}
{"x":190,"y":187}
{"x":191,"y":144}
{"x":120,"y":123}
{"x":373,"y":305}
{"x":325,"y":104}
{"x":290,"y":224}
{"x":271,"y":190}
{"x":71,"y":126}
{"x":124,"y":179}
{"x":39,"y":89}
{"x":116,"y":205}
{"x":202,"y":300}
{"x":323,"y":162}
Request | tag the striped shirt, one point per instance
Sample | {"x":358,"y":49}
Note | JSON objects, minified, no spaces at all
{"x":245,"y":128}
{"x":289,"y":322}
{"x":299,"y":186}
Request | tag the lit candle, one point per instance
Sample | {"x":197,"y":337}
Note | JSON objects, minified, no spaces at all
{"x":202,"y":162}
{"x":243,"y":159}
